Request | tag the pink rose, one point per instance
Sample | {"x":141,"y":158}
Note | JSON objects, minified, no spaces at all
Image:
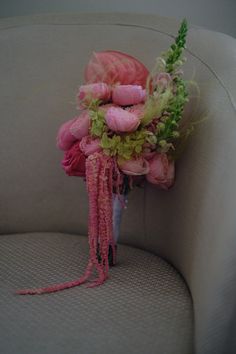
{"x":115,"y":67}
{"x":80,"y":126}
{"x":162,"y":171}
{"x":134,"y":167}
{"x":120,"y":120}
{"x":89,"y":92}
{"x":74,"y":161}
{"x":64,"y":137}
{"x":88,"y":145}
{"x":126,"y":95}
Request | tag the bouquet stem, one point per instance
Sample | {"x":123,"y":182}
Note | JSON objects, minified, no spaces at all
{"x":119,"y":202}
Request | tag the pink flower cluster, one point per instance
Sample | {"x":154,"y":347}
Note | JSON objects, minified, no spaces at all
{"x":118,"y":81}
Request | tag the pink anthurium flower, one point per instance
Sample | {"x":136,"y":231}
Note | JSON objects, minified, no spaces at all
{"x":121,"y":121}
{"x":161,"y":172}
{"x":115,"y":67}
{"x":126,"y":95}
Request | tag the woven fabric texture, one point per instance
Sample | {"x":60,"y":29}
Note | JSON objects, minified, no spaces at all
{"x":145,"y":306}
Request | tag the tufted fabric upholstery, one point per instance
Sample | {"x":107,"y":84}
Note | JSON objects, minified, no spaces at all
{"x":192,"y":226}
{"x":145,"y":307}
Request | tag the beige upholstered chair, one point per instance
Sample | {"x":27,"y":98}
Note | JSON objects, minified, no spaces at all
{"x":174,"y":288}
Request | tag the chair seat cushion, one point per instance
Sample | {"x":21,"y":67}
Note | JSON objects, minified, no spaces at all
{"x":144,"y":307}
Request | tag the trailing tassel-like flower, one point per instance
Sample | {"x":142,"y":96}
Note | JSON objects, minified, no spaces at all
{"x":99,"y":182}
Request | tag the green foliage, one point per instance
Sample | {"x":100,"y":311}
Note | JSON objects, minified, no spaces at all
{"x":178,"y":101}
{"x":171,"y":60}
{"x":98,"y":125}
{"x":168,"y":105}
{"x":155,"y":105}
{"x":128,"y":145}
{"x":173,"y":55}
{"x":167,"y":129}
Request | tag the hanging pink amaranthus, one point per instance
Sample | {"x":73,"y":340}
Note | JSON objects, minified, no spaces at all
{"x":99,"y":179}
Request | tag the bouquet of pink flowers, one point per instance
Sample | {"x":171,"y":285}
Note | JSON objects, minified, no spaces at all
{"x":127,"y":131}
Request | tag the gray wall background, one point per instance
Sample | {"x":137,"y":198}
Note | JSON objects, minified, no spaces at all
{"x":218,"y":15}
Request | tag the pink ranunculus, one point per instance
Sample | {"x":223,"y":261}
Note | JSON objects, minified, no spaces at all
{"x":88,"y":145}
{"x":134,"y":167}
{"x":64,"y":137}
{"x":115,"y":67}
{"x":162,"y":171}
{"x":89,"y":92}
{"x":80,"y":126}
{"x":121,"y":121}
{"x":126,"y":95}
{"x":74,"y":161}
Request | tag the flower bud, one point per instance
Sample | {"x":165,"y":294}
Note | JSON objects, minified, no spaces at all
{"x":162,"y":143}
{"x":160,"y":126}
{"x":175,"y":134}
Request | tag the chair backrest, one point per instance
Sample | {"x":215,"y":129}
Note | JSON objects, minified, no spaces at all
{"x":193,"y":225}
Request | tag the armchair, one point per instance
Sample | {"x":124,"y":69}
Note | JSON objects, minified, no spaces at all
{"x":173,"y":290}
